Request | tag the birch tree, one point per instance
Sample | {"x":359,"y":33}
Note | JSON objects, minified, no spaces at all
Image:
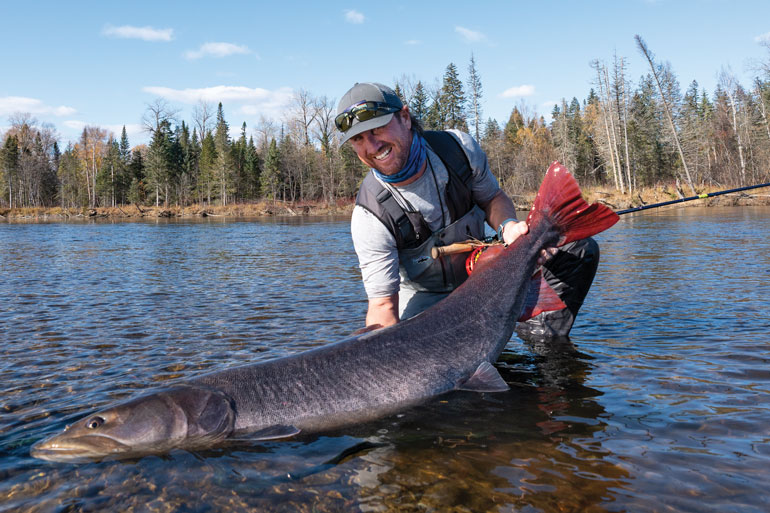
{"x":666,"y":107}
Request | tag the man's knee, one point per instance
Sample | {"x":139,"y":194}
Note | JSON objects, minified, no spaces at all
{"x":571,"y":271}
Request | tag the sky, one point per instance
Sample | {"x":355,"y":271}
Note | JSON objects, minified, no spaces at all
{"x":72,"y":64}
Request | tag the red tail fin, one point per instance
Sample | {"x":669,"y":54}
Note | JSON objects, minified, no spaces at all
{"x":559,"y":197}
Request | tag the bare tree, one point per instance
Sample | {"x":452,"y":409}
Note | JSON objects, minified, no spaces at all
{"x":203,"y":115}
{"x":730,"y":86}
{"x":324,"y":132}
{"x":156,"y":113}
{"x":621,"y":99}
{"x":650,"y":59}
{"x":265,"y":131}
{"x":406,"y":85}
{"x":609,"y":128}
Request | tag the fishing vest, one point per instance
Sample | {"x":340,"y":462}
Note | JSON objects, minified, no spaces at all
{"x":414,"y":238}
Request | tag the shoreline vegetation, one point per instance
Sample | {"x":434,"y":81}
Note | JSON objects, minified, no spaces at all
{"x":632,"y":142}
{"x":343,"y":207}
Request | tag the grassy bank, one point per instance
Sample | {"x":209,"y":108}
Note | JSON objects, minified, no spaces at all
{"x":607,"y":196}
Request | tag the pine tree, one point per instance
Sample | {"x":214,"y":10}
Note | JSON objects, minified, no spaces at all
{"x":419,"y":105}
{"x":161,"y":162}
{"x":224,"y":163}
{"x":252,"y":170}
{"x":271,"y":176}
{"x":9,"y":167}
{"x":207,"y":165}
{"x":136,"y":191}
{"x":453,"y":100}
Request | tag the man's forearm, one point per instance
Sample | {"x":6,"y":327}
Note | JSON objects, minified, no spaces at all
{"x":383,"y":311}
{"x":498,"y":209}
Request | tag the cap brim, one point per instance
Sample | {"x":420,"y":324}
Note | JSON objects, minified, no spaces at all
{"x":362,"y":126}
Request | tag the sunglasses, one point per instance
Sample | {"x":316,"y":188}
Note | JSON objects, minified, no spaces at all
{"x":363,"y":111}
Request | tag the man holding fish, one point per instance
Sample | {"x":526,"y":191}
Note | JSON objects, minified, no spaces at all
{"x":432,"y":189}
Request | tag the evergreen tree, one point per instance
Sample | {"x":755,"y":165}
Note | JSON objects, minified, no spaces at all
{"x":270,"y":180}
{"x":224,"y":165}
{"x":452,"y":100}
{"x":136,"y":172}
{"x":160,"y":164}
{"x":435,"y":116}
{"x":191,"y":163}
{"x":252,"y":170}
{"x":207,"y":165}
{"x":419,"y":105}
{"x":9,"y":167}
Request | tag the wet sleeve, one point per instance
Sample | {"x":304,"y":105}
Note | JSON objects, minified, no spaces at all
{"x":484,"y":185}
{"x":377,"y":254}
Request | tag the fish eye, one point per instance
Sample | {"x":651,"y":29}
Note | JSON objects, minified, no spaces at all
{"x":94,"y":422}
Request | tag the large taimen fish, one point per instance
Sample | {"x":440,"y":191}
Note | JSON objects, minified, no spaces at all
{"x":448,"y":347}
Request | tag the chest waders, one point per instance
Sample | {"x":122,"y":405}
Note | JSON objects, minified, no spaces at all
{"x":414,"y":239}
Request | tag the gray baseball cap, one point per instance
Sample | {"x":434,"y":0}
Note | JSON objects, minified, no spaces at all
{"x":368,"y":92}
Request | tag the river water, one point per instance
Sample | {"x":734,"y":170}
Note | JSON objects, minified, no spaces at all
{"x":661,"y":402}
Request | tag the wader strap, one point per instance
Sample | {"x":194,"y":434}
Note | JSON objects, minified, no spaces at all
{"x":458,"y":188}
{"x":451,"y":154}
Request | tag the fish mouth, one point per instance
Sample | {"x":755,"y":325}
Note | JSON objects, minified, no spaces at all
{"x":90,"y":447}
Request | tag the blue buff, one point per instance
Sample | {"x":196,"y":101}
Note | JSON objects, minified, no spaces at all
{"x":417,"y":156}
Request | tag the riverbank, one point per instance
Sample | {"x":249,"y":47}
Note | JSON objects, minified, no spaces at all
{"x":606,"y":196}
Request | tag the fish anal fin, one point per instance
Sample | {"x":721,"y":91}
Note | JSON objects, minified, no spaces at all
{"x":485,"y":379}
{"x":273,"y":433}
{"x":540,"y":298}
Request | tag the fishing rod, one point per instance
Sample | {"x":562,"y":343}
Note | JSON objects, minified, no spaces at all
{"x":682,"y":200}
{"x":463,"y":247}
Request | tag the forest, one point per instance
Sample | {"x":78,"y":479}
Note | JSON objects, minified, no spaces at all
{"x":624,"y":135}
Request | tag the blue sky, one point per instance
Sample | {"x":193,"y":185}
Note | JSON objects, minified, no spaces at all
{"x":100,"y":63}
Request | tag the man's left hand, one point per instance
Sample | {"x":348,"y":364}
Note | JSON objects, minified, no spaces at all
{"x":513,"y":230}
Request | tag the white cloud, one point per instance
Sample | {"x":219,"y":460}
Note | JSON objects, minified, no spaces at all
{"x":75,"y":124}
{"x":413,"y":42}
{"x":213,"y":94}
{"x":143,"y":33}
{"x":470,"y":36}
{"x":549,"y":105}
{"x":217,"y":50}
{"x":763,"y":38}
{"x":522,"y":90}
{"x":254,"y":101}
{"x":353,"y":16}
{"x":12,"y":104}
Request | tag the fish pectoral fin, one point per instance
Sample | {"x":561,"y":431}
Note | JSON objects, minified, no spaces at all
{"x":273,"y":432}
{"x":485,"y":379}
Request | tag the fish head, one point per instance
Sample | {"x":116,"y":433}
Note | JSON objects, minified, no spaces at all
{"x":178,"y":417}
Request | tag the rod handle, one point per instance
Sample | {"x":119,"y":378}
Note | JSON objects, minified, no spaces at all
{"x":457,"y":247}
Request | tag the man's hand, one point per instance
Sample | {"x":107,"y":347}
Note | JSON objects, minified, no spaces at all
{"x":513,"y":230}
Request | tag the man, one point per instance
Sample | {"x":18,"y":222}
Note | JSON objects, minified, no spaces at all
{"x":429,"y":189}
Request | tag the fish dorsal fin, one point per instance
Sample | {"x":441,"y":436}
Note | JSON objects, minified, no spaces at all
{"x":274,"y":432}
{"x":485,"y":379}
{"x":540,"y":298}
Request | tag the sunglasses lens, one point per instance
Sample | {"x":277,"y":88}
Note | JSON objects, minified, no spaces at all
{"x":363,"y":112}
{"x":343,"y":121}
